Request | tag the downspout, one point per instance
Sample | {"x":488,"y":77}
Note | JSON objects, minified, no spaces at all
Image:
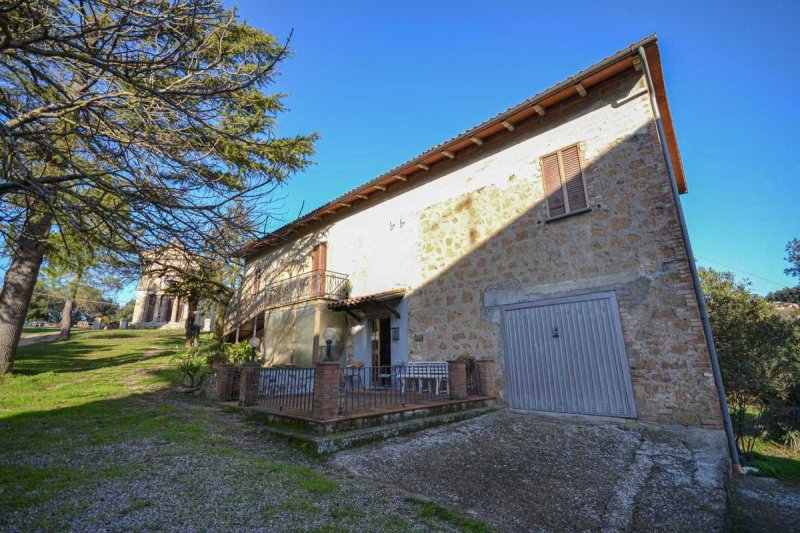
{"x":698,"y":290}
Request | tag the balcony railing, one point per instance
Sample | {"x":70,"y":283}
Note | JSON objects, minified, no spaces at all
{"x":306,"y":286}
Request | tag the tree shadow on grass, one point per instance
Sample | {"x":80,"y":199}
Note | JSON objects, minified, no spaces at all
{"x":92,"y":351}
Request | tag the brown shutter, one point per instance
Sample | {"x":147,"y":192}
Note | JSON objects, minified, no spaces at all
{"x":573,"y":179}
{"x":552,"y":186}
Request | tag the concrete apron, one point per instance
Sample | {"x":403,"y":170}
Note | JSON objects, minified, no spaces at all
{"x":528,"y":471}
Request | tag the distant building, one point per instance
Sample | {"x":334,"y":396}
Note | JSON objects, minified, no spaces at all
{"x":155,"y":309}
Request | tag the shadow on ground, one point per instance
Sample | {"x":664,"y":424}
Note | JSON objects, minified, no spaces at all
{"x":523,"y":472}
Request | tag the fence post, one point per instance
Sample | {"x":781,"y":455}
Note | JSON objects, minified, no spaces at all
{"x":248,"y":387}
{"x":326,"y":390}
{"x":487,"y":377}
{"x":457,"y":373}
{"x":224,"y":382}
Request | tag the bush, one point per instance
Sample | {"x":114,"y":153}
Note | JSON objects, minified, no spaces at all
{"x":239,"y":353}
{"x":790,"y":438}
{"x":192,"y":364}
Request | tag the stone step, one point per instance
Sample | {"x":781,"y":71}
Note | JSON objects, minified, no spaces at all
{"x":326,"y":443}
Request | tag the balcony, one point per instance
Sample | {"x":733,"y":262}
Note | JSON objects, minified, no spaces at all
{"x":316,"y":284}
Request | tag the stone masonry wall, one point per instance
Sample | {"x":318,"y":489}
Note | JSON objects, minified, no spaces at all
{"x":473,"y":234}
{"x":494,"y":246}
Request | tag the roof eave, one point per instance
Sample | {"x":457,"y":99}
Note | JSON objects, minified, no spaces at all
{"x":597,"y":73}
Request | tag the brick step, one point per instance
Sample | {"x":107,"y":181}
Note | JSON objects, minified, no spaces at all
{"x":381,"y":416}
{"x":329,"y":442}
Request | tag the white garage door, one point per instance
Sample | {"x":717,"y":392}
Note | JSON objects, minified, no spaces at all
{"x":568,"y":356}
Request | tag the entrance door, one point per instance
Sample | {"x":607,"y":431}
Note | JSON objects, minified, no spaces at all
{"x":568,"y":355}
{"x":381,"y":351}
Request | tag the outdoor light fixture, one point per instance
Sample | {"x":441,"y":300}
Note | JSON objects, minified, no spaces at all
{"x":254,"y":342}
{"x":329,"y":335}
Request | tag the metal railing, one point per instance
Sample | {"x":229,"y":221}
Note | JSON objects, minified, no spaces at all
{"x":474,"y":385}
{"x":306,"y":286}
{"x":379,"y":387}
{"x":287,"y":389}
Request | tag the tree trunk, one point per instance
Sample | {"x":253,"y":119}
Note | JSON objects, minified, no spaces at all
{"x":191,"y":313}
{"x":219,"y":317}
{"x":69,"y":304}
{"x":66,"y":318}
{"x":18,"y":285}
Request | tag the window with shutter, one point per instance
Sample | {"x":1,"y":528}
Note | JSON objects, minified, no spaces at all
{"x":563,"y":182}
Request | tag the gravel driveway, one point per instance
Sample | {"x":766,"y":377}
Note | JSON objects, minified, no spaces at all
{"x":530,"y":472}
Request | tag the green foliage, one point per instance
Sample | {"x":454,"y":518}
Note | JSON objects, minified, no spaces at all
{"x":203,"y":158}
{"x":793,"y":257}
{"x":758,"y":353}
{"x":463,"y":523}
{"x":790,"y":437}
{"x":788,"y":295}
{"x":239,"y":353}
{"x":191,"y":363}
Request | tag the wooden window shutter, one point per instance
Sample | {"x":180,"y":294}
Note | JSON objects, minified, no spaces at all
{"x":552,"y":185}
{"x":573,"y":179}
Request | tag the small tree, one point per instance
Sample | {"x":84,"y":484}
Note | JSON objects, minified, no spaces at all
{"x":793,"y":257}
{"x":757,"y":351}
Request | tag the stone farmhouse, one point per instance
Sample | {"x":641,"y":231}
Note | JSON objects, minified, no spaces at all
{"x":548,"y":239}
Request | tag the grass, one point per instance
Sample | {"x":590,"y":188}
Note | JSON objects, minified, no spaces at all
{"x":463,"y":523}
{"x":39,"y":330}
{"x":95,"y":437}
{"x":774,"y":460}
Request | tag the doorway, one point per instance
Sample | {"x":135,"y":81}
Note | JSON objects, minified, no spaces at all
{"x":381,"y":351}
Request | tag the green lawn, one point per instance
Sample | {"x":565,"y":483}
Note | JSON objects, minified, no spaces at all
{"x":39,"y":330}
{"x":94,"y":437}
{"x":774,"y":460}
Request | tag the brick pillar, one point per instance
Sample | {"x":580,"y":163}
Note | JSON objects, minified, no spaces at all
{"x":224,"y":382}
{"x":457,"y":373}
{"x":486,"y":373}
{"x":248,"y":388}
{"x":326,"y":390}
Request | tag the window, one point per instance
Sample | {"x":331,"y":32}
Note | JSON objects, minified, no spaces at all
{"x":563,"y":182}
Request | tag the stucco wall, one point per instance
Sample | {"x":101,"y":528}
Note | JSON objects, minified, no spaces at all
{"x":473,"y":235}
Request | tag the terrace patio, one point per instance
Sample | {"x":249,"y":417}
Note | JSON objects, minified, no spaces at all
{"x":329,"y":394}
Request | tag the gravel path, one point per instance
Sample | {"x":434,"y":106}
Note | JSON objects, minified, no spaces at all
{"x":527,"y":472}
{"x":765,"y":504}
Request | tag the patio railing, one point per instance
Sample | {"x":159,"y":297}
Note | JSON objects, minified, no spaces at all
{"x":313,"y":284}
{"x":474,"y":385}
{"x":376,"y":387}
{"x":287,"y":389}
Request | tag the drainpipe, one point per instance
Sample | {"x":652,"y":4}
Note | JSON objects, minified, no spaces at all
{"x":698,"y":290}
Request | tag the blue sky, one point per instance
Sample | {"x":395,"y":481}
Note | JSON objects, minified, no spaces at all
{"x":383,"y":81}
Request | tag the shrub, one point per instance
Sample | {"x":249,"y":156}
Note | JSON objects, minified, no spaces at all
{"x":191,"y":363}
{"x":790,"y":438}
{"x":239,"y":353}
